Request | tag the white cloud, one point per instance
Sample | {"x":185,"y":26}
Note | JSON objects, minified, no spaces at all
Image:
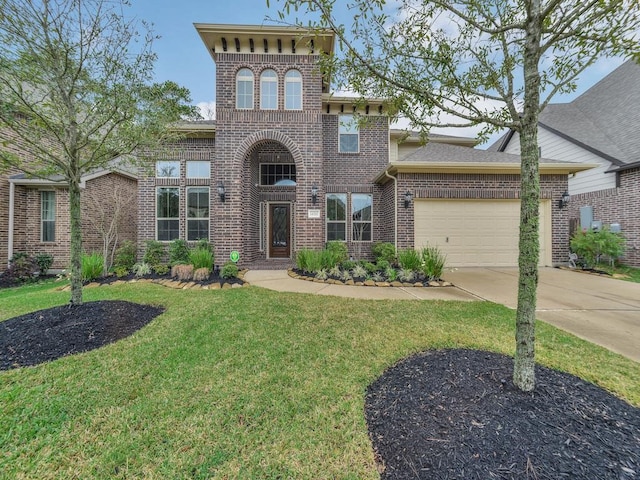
{"x":207,"y":109}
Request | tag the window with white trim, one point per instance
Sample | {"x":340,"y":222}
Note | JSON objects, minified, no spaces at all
{"x":168,"y":169}
{"x":167,"y":213}
{"x":279,"y":174}
{"x":198,"y":169}
{"x":336,"y":216}
{"x":269,"y":90}
{"x":293,"y":90}
{"x":244,"y":89}
{"x":348,"y":134}
{"x":361,"y":206}
{"x":48,"y":216}
{"x":197,"y":213}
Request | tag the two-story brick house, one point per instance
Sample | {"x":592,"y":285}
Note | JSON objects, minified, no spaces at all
{"x":286,"y":165}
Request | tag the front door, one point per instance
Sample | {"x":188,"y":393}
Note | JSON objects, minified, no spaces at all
{"x":279,"y":230}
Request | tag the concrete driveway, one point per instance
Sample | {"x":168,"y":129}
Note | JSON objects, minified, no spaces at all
{"x":602,"y":310}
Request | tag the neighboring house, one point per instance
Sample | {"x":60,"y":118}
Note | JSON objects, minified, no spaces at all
{"x":284,"y":166}
{"x":599,"y":127}
{"x":34,"y":213}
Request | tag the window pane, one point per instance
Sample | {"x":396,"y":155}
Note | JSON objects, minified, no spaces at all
{"x":269,"y":90}
{"x":198,"y":169}
{"x":361,"y":232}
{"x":277,"y":174}
{"x":198,"y":202}
{"x":47,"y":216}
{"x":293,"y":90}
{"x":168,"y":203}
{"x":361,"y":207}
{"x":348,"y":143}
{"x":348,"y":131}
{"x":336,"y":207}
{"x":168,"y":230}
{"x":168,"y":169}
{"x":197,"y":229}
{"x":336,"y":231}
{"x":244,"y":89}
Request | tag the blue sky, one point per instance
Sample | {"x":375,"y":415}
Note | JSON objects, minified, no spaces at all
{"x":183,"y":58}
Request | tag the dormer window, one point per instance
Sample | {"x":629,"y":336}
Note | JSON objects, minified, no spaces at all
{"x":269,"y":90}
{"x":244,"y":89}
{"x":293,"y":90}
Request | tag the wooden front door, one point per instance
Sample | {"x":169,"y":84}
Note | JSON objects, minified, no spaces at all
{"x":279,"y":230}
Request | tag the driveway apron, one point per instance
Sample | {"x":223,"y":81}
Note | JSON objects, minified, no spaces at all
{"x":602,"y":310}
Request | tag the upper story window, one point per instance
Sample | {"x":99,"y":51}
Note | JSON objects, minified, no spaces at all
{"x":293,"y":90}
{"x":198,"y":169}
{"x":348,"y":133}
{"x":168,"y":169}
{"x":280,"y":174}
{"x":268,"y":90}
{"x":244,"y":89}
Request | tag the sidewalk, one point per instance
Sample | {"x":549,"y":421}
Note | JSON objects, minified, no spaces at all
{"x":279,"y":280}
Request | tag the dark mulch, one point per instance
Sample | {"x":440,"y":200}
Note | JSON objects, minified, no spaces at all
{"x":456,"y":414}
{"x":56,"y":332}
{"x":7,"y":281}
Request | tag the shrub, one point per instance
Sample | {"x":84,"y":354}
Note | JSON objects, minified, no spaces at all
{"x":371,"y":268}
{"x":302,"y":259}
{"x":121,"y":271}
{"x":348,"y":264}
{"x":433,"y":263}
{"x":178,"y":252}
{"x":359,"y":271}
{"x":44,"y":262}
{"x":335,"y":272}
{"x":182,"y":272}
{"x":322,"y":274}
{"x":21,"y":267}
{"x":339,"y":250}
{"x":346,"y":275}
{"x":126,"y":255}
{"x":377,"y":277}
{"x":201,"y":274}
{"x":229,"y":270}
{"x":384,"y":251}
{"x":204,"y":244}
{"x":201,"y":258}
{"x":92,"y":265}
{"x":391,"y":274}
{"x":154,"y":252}
{"x":410,"y":259}
{"x":160,"y":269}
{"x":329,"y":258}
{"x":382,"y":265}
{"x":141,"y":269}
{"x":406,"y":275}
{"x":593,"y":245}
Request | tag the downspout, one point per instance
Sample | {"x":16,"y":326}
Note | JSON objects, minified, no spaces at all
{"x":12,"y":194}
{"x":395,"y":208}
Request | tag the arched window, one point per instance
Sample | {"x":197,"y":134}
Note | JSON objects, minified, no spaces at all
{"x":244,"y":89}
{"x":293,"y":90}
{"x":269,"y":90}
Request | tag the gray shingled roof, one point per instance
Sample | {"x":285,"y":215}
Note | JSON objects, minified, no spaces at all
{"x":439,"y":153}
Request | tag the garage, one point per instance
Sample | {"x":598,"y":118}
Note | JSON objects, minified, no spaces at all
{"x":477,"y":233}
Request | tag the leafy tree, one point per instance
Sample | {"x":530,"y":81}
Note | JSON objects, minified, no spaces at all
{"x":495,"y":63}
{"x":76,"y":91}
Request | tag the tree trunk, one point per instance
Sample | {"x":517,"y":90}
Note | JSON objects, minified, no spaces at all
{"x":75,"y":221}
{"x":524,"y":363}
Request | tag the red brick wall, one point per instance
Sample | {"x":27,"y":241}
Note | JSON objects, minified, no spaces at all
{"x":617,"y":205}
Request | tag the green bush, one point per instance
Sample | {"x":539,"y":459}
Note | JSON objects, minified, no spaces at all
{"x":384,"y":251}
{"x":121,"y":271}
{"x":141,"y":269}
{"x":339,"y":250}
{"x":312,"y":260}
{"x":410,"y":259}
{"x":201,"y":258}
{"x":160,"y":269}
{"x":371,"y":268}
{"x":594,"y":246}
{"x":21,"y":267}
{"x":178,"y":252}
{"x":391,"y":274}
{"x":204,"y":244}
{"x":348,"y":265}
{"x":154,"y":253}
{"x":433,"y":263}
{"x":44,"y":262}
{"x":229,"y":270}
{"x":126,"y":255}
{"x":382,"y":265}
{"x":92,"y":265}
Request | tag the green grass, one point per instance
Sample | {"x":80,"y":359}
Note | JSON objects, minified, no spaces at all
{"x":242,"y":383}
{"x":632,"y":273}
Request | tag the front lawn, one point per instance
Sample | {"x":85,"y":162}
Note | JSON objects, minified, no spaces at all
{"x":242,"y":383}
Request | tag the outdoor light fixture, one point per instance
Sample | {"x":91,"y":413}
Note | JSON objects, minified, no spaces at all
{"x":564,"y":200}
{"x":314,"y":194}
{"x":221,"y":191}
{"x":407,"y":199}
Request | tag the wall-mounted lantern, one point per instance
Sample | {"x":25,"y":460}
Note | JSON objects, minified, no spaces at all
{"x":407,"y":199}
{"x":221,"y":192}
{"x":564,"y":200}
{"x":314,"y":194}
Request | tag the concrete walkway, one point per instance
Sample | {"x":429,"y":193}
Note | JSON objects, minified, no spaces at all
{"x":602,"y":310}
{"x":280,"y":280}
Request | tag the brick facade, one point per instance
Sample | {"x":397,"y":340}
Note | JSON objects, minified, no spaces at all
{"x":616,"y":205}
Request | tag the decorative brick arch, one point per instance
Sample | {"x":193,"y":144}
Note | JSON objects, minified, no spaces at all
{"x":253,"y":140}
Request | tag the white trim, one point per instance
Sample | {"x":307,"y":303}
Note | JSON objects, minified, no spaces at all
{"x":370,"y":222}
{"x":186,"y":212}
{"x":268,"y":80}
{"x":155,"y":211}
{"x":245,"y":79}
{"x":326,"y":216}
{"x":293,"y":80}
{"x":352,"y":124}
{"x":186,"y":168}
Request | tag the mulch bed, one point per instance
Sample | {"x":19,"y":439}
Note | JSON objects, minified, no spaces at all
{"x":56,"y":332}
{"x":456,"y":414}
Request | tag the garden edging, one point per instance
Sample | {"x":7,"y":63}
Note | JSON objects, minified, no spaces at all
{"x":368,"y":283}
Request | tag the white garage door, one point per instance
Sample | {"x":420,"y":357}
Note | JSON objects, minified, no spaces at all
{"x":477,"y":233}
